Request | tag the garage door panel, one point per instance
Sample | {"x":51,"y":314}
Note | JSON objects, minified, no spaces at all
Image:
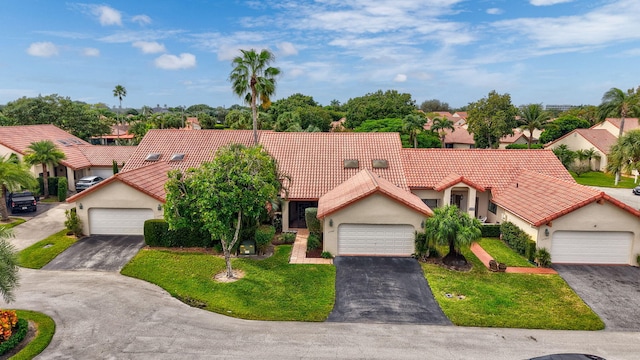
{"x":118,"y":221}
{"x":591,"y":247}
{"x":375,"y":239}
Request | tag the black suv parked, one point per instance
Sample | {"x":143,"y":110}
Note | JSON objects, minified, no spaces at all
{"x":22,"y":201}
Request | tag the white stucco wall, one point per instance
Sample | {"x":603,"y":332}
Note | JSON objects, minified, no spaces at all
{"x":575,"y":142}
{"x":374,"y":209}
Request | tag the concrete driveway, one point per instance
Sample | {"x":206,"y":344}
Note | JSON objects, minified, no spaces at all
{"x":383,"y":290}
{"x":613,"y":292}
{"x":40,"y":227}
{"x":98,"y":253}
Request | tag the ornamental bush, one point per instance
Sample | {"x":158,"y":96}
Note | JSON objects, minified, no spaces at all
{"x":518,"y":240}
{"x":263,"y":237}
{"x":313,"y":223}
{"x":72,"y":222}
{"x":19,"y":333}
{"x":490,"y":230}
{"x":8,"y":320}
{"x":313,"y":242}
{"x":62,"y":189}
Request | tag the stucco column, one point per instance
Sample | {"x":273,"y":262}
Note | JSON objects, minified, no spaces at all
{"x":285,"y":216}
{"x":446,"y":197}
{"x":471,"y":203}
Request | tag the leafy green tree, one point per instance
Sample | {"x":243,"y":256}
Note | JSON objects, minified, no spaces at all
{"x":219,"y":194}
{"x":491,"y":118}
{"x":449,"y":226}
{"x":378,"y":105}
{"x":562,"y":126}
{"x":590,"y":113}
{"x":565,"y":155}
{"x":44,"y":153}
{"x":13,"y":176}
{"x":533,"y":117}
{"x":381,"y":125}
{"x":238,"y":119}
{"x":440,"y":126}
{"x":315,"y":117}
{"x":253,"y":78}
{"x":434,"y":105}
{"x":291,"y":103}
{"x":625,"y":153}
{"x":8,"y":266}
{"x":413,"y":125}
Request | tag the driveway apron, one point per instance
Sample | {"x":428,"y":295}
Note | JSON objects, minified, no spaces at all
{"x":98,"y":253}
{"x":383,"y":290}
{"x":613,"y":292}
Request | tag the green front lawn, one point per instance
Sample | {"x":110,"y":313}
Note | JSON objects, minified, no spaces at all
{"x":13,"y":222}
{"x":272,"y":289}
{"x":46,"y":329}
{"x":596,"y":178}
{"x":502,"y":253}
{"x":508,"y":300}
{"x":41,"y":253}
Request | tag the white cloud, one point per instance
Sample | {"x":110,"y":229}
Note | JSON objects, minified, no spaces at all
{"x":42,"y":49}
{"x":149,"y":47}
{"x":286,"y":48}
{"x":495,"y":11}
{"x":146,"y":35}
{"x":93,"y":52}
{"x":548,"y":2}
{"x":141,"y":19}
{"x":173,"y":62}
{"x":107,"y":15}
{"x":400,"y":78}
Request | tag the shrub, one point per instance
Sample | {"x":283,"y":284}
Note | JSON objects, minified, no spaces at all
{"x":53,"y":184}
{"x":313,"y":242}
{"x":8,"y":320}
{"x":263,"y":237}
{"x":62,"y":189}
{"x":313,"y":223}
{"x":490,"y":230}
{"x":157,"y":233}
{"x":424,"y":247}
{"x":326,"y":255}
{"x":517,"y":239}
{"x":531,"y":250}
{"x":19,"y":333}
{"x":72,"y":222}
{"x":289,"y":237}
{"x":544,"y":257}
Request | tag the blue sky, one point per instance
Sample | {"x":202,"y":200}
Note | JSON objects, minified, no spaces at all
{"x":179,"y":52}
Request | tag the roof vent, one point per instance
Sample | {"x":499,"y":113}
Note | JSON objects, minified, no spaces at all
{"x":379,"y":163}
{"x":177,"y":157}
{"x":63,"y":142}
{"x":153,"y":157}
{"x":351,"y":164}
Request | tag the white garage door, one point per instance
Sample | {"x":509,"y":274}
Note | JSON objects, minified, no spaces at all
{"x":591,"y":247}
{"x":367,"y":239}
{"x":118,"y":221}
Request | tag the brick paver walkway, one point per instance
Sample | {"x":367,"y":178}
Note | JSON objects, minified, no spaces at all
{"x":299,"y":252}
{"x":485,"y":258}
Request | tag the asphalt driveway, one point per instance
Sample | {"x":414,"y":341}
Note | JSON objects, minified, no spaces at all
{"x":613,"y":292}
{"x":98,"y":253}
{"x":383,"y":290}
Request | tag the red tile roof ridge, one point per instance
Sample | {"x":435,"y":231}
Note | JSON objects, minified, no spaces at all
{"x":453,"y":179}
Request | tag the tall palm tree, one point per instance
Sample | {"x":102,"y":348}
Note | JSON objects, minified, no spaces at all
{"x":625,"y":153}
{"x":44,"y":153}
{"x":13,"y":175}
{"x":119,"y":92}
{"x":253,"y":78}
{"x":533,"y":117}
{"x":440,"y":126}
{"x":616,"y":102}
{"x":413,"y":124}
{"x":449,"y":226}
{"x":8,"y":266}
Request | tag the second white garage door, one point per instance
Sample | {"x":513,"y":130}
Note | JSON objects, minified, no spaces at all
{"x":591,"y":247}
{"x":118,"y":221}
{"x":368,"y":239}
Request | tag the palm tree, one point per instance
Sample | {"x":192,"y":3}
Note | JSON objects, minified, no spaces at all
{"x":44,"y":153}
{"x":449,"y":226}
{"x":119,"y":92}
{"x":616,"y":102}
{"x":565,"y":155}
{"x":440,"y":125}
{"x":532,"y":117}
{"x":625,"y":153}
{"x":13,"y":175}
{"x":253,"y":78}
{"x":413,"y":124}
{"x":591,"y":154}
{"x":8,"y":266}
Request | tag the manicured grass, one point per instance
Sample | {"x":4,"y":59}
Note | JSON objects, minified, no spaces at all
{"x":502,"y":253}
{"x":13,"y":222}
{"x":41,"y":253}
{"x":46,"y":329}
{"x":272,"y":289}
{"x":596,"y":178}
{"x":508,"y":300}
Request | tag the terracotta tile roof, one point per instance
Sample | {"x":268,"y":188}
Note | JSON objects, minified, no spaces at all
{"x":629,"y":123}
{"x":102,"y":155}
{"x":539,"y":198}
{"x":314,"y":161}
{"x":198,"y":146}
{"x":600,"y":138}
{"x":18,"y":138}
{"x":459,"y":135}
{"x":148,"y":179}
{"x":462,"y":114}
{"x":360,"y":186}
{"x":510,"y":139}
{"x":453,"y":179}
{"x":489,"y":168}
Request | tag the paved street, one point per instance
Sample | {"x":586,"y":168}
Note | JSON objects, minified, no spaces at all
{"x":39,"y":227}
{"x":623,"y":195}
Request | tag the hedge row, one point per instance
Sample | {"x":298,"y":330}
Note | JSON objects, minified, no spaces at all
{"x":490,"y":230}
{"x":157,"y":233}
{"x":313,"y":223}
{"x":18,"y":335}
{"x":62,"y":189}
{"x":518,"y":240}
{"x":53,"y":184}
{"x":524,"y":146}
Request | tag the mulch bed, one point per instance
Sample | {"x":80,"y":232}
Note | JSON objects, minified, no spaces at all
{"x":438,"y":261}
{"x":314,"y":253}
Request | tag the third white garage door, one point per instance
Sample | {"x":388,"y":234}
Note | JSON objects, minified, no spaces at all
{"x":369,"y":239}
{"x":118,"y":221}
{"x":591,"y":247}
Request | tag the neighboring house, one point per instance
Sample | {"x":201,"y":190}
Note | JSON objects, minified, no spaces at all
{"x":585,"y":139}
{"x":518,"y":137}
{"x":119,"y":132}
{"x":192,"y":123}
{"x":613,"y":125}
{"x":459,"y":138}
{"x":372,"y":195}
{"x":82,"y":158}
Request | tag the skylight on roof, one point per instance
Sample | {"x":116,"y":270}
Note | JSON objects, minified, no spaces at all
{"x":63,"y":142}
{"x":177,"y":157}
{"x":379,"y":163}
{"x":351,"y":164}
{"x":153,"y":157}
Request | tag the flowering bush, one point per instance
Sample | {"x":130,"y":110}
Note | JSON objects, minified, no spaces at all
{"x":8,"y":320}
